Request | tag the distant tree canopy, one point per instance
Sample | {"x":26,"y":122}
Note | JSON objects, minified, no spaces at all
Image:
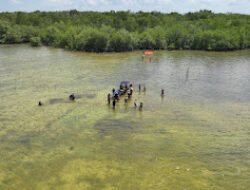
{"x":126,"y":31}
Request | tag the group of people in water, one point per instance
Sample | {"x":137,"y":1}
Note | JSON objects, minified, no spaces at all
{"x":125,"y":89}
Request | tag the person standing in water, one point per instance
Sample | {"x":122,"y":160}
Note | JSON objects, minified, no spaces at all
{"x":72,"y":97}
{"x":131,"y":89}
{"x":116,"y":96}
{"x":109,"y":98}
{"x":129,"y":92}
{"x":135,"y":103}
{"x":139,"y":87}
{"x":141,"y":106}
{"x":113,"y":103}
{"x":162,"y":92}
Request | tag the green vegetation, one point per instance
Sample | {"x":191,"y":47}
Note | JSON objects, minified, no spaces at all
{"x":35,"y":41}
{"x":127,"y":31}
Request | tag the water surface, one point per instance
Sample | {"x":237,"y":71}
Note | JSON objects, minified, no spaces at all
{"x":197,"y":137}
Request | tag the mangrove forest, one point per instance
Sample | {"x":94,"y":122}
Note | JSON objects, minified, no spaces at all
{"x":127,"y":31}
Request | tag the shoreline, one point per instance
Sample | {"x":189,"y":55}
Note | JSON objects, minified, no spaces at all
{"x":134,"y":51}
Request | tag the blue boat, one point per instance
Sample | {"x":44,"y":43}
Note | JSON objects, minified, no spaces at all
{"x":124,"y":86}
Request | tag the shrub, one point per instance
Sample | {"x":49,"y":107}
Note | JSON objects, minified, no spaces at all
{"x":35,"y":41}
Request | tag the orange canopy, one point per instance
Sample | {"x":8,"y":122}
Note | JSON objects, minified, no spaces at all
{"x":148,"y":52}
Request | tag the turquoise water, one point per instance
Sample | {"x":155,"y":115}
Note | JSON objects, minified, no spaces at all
{"x":196,"y":137}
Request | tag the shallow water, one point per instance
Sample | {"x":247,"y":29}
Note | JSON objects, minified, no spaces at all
{"x":196,"y":137}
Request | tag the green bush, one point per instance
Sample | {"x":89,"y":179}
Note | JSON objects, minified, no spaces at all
{"x":3,"y":30}
{"x":121,"y":41}
{"x":13,"y":36}
{"x":92,"y":40}
{"x":35,"y":41}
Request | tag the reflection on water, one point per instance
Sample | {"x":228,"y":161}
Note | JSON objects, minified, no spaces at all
{"x":195,"y":137}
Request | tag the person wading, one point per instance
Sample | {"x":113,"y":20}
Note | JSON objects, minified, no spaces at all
{"x":40,"y":103}
{"x":141,"y":106}
{"x":135,"y":103}
{"x":72,"y":97}
{"x":162,"y":92}
{"x":109,"y":98}
{"x":113,"y":103}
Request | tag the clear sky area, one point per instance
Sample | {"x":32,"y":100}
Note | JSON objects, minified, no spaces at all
{"x":181,"y":6}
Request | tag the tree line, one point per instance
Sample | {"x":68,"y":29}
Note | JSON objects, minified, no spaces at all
{"x":127,"y":31}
